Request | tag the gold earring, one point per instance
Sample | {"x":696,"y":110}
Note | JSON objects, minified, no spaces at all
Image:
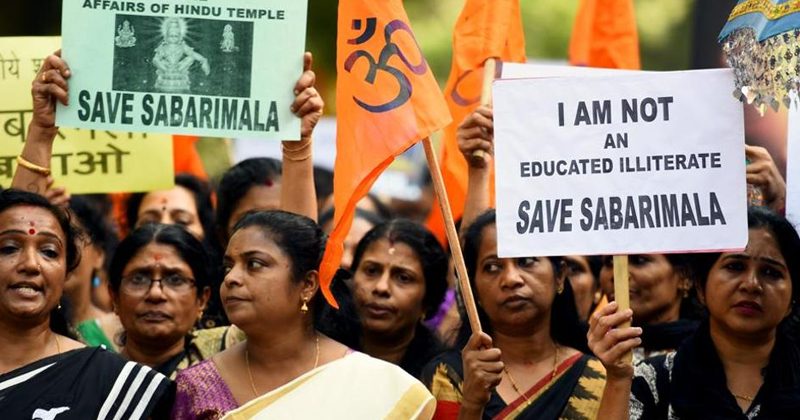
{"x":304,"y":308}
{"x":560,"y":288}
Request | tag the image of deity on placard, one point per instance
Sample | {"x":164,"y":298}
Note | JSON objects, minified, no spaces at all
{"x":183,"y":56}
{"x":228,"y":43}
{"x":125,"y":35}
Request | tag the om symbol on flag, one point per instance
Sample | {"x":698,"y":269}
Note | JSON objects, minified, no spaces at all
{"x":389,"y":50}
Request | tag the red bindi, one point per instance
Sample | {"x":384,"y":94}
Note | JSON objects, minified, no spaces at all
{"x":157,"y":257}
{"x":31,"y":231}
{"x":268,"y":183}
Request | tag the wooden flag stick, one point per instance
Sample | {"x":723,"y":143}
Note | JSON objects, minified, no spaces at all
{"x":489,"y":70}
{"x":621,"y":291}
{"x":452,"y":236}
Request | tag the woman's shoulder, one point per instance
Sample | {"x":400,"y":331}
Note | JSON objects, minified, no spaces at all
{"x":202,"y":372}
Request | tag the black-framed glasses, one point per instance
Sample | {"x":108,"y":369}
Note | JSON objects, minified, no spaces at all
{"x":140,"y":283}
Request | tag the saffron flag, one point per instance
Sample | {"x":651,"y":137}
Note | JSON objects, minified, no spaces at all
{"x":185,"y":157}
{"x":485,"y":29}
{"x":605,"y":35}
{"x":386,"y":100}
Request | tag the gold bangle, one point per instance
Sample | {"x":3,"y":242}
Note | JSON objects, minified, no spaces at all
{"x":41,"y":170}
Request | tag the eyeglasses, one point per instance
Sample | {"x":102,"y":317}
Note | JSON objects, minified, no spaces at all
{"x":140,"y":283}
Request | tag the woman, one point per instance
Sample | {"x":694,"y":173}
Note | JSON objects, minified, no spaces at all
{"x":187,"y":204}
{"x":530,"y":369}
{"x":92,"y":324}
{"x":583,"y":273}
{"x":363,"y":222}
{"x":43,"y":373}
{"x":160,"y":282}
{"x":252,"y":184}
{"x":742,"y":363}
{"x":399,"y":281}
{"x":271,"y":292}
{"x":660,"y":299}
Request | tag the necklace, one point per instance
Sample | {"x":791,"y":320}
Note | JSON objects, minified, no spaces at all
{"x":514,"y":383}
{"x":743,"y":397}
{"x":250,"y":373}
{"x":58,"y":346}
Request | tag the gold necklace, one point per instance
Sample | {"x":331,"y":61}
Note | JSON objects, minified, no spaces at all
{"x":514,"y":383}
{"x":744,"y":397}
{"x":250,"y":373}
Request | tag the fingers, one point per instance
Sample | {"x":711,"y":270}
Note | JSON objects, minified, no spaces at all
{"x":470,"y":146}
{"x":308,"y":78}
{"x":756,"y":152}
{"x":477,"y":119}
{"x":53,"y":76}
{"x":55,"y":62}
{"x":619,"y":350}
{"x":312,"y":105}
{"x":604,"y":311}
{"x":308,"y":94}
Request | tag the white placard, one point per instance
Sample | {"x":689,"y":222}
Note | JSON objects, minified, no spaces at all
{"x":532,"y":71}
{"x":644,"y":163}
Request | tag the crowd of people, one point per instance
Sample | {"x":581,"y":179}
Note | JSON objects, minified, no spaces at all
{"x":211,"y":307}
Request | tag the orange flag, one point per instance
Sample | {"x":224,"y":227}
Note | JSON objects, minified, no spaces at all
{"x":386,"y":100}
{"x":185,"y":157}
{"x":485,"y":29}
{"x":605,"y":35}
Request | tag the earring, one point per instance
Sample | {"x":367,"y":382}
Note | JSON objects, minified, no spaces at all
{"x":685,"y":293}
{"x":304,"y":308}
{"x":560,"y":288}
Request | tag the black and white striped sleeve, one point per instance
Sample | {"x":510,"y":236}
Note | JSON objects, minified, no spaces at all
{"x":136,"y":391}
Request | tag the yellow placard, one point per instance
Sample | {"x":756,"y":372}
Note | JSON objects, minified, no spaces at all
{"x":84,"y":161}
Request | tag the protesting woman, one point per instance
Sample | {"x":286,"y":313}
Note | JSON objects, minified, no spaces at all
{"x":529,"y":368}
{"x":42,"y":371}
{"x":660,"y":298}
{"x":742,"y":363}
{"x":93,"y":325}
{"x":160,"y":282}
{"x":399,"y":281}
{"x":287,"y":368}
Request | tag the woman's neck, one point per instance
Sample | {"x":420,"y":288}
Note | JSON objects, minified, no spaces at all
{"x":742,"y":352}
{"x":24,"y":344}
{"x":149,"y":355}
{"x":525,"y":348}
{"x":670,"y":314}
{"x":389,"y":348}
{"x":277,"y":350}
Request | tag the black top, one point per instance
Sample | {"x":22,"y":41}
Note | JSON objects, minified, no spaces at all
{"x":691,"y":384}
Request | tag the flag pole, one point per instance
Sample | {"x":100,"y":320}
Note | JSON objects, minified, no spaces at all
{"x":622,"y":292}
{"x":452,"y":236}
{"x":489,"y":72}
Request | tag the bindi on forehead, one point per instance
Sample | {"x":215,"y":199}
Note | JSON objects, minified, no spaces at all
{"x":269,"y":183}
{"x":32,"y":231}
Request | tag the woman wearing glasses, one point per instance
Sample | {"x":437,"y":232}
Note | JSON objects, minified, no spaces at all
{"x":160,"y":283}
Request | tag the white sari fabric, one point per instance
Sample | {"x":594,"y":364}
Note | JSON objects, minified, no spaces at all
{"x":356,"y":386}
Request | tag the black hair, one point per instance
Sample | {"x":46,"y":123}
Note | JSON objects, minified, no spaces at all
{"x":785,"y":235}
{"x":12,"y":198}
{"x":323,"y":182}
{"x":373,"y":218}
{"x":94,"y":224}
{"x":202,"y":199}
{"x":189,"y":248}
{"x":235,"y":183}
{"x":302,"y":240}
{"x":431,"y":256}
{"x":565,"y":326}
